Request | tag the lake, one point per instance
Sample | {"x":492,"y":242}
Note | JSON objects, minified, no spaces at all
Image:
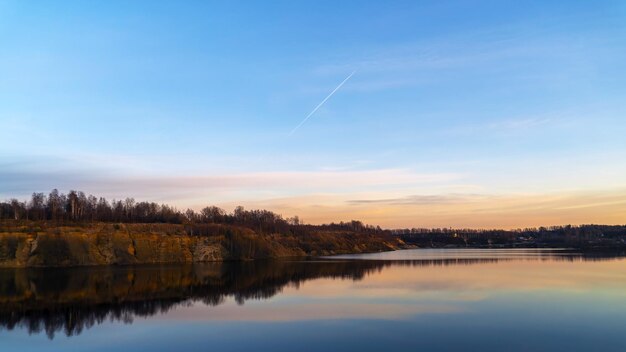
{"x":424,"y":299}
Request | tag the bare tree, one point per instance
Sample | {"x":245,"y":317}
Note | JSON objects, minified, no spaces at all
{"x":38,"y":206}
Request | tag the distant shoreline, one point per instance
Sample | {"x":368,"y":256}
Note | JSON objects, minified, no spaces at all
{"x":585,"y":247}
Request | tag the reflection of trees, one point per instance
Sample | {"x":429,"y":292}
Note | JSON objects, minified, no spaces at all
{"x":71,"y":300}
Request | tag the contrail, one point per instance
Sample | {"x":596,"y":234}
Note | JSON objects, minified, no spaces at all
{"x":322,"y":103}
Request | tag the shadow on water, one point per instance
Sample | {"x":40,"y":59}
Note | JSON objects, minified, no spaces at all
{"x":74,"y":299}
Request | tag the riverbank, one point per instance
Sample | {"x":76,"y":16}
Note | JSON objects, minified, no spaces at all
{"x":46,"y":244}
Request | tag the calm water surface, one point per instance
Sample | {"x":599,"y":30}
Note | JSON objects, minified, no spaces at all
{"x":430,"y":300}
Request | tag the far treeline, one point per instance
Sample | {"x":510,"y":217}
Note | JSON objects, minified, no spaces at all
{"x":583,"y":236}
{"x":76,"y":206}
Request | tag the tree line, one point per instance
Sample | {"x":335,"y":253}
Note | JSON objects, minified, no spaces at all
{"x":590,"y":230}
{"x":76,"y":206}
{"x":568,"y":236}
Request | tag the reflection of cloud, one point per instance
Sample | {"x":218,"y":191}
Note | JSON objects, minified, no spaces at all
{"x":399,"y":291}
{"x":311,"y":309}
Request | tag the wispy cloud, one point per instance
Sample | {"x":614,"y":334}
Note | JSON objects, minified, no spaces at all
{"x":504,"y":210}
{"x":504,"y":51}
{"x":508,"y":125}
{"x":520,"y":124}
{"x":423,"y":199}
{"x":227,"y":185}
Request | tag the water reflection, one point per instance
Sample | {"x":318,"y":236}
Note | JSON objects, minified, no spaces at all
{"x":72,"y":300}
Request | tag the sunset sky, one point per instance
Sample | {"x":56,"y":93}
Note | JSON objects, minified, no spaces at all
{"x":462,"y":114}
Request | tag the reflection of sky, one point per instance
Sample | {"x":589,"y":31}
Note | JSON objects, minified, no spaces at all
{"x":516,"y":305}
{"x":475,"y":114}
{"x":402,"y":292}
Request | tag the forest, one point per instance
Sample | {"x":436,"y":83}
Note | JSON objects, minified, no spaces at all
{"x":77,"y":207}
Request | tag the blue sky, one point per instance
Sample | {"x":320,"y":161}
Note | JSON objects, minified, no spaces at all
{"x":456,"y":109}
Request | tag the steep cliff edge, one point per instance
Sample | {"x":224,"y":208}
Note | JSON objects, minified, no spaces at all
{"x":49,"y":245}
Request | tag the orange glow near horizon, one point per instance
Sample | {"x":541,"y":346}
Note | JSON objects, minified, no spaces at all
{"x":507,"y":212}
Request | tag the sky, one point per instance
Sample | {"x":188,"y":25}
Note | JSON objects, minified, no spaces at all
{"x":457,"y":114}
